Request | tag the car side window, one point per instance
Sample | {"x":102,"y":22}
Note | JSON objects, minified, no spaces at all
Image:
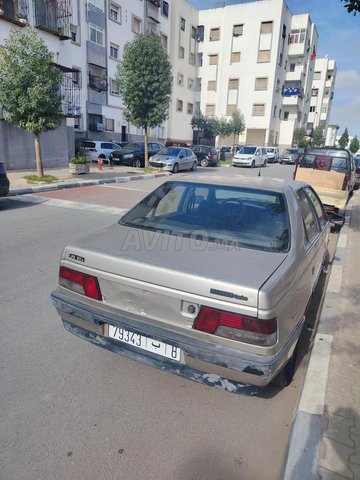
{"x":107,"y":146}
{"x":320,"y":212}
{"x":189,"y":152}
{"x":308,"y":215}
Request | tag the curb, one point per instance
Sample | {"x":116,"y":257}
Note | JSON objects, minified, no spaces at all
{"x":85,"y":183}
{"x":302,"y":456}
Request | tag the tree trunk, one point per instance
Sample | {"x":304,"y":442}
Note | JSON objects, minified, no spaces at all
{"x":38,"y":159}
{"x":146,"y":148}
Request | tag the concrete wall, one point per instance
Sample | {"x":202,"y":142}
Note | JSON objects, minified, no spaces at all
{"x":18,"y":149}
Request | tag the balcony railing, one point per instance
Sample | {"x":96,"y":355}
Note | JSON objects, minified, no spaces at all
{"x":15,"y":11}
{"x":53,"y":16}
{"x":98,"y":83}
{"x":70,"y":92}
{"x":292,"y":91}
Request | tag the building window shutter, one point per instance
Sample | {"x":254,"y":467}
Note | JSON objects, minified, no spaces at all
{"x":261,"y":83}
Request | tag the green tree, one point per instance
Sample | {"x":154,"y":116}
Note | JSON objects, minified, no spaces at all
{"x":224,"y":127}
{"x":318,"y":138}
{"x":354,"y":145}
{"x":237,"y":124}
{"x":344,"y":139}
{"x":30,"y":87}
{"x":145,"y":83}
{"x":352,"y":5}
{"x":207,"y":127}
{"x":299,"y":138}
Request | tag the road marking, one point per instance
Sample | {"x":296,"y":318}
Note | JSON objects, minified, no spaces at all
{"x":53,"y":202}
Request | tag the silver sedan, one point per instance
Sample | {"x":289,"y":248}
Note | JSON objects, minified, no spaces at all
{"x":208,"y":279}
{"x":174,"y":159}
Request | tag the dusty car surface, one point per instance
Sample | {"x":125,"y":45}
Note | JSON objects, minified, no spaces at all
{"x":208,"y":279}
{"x":174,"y":159}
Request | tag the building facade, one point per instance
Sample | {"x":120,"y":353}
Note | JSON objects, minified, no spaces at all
{"x":254,"y":57}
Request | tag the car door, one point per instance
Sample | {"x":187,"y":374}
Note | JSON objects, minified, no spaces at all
{"x":314,"y":246}
{"x":182,"y":159}
{"x":258,"y":157}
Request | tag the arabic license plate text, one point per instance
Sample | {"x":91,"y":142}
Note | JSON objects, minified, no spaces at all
{"x":145,"y":343}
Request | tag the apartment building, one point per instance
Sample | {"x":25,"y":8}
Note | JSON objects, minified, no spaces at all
{"x":322,"y":93}
{"x":256,"y":57}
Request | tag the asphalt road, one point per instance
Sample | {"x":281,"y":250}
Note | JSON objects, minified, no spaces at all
{"x":72,"y":410}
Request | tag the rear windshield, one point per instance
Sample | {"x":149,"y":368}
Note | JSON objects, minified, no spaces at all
{"x":248,"y":150}
{"x":337,"y":161}
{"x":89,"y":144}
{"x":244,"y":217}
{"x":270,"y":150}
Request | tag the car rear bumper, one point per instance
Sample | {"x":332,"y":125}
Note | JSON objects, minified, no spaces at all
{"x":202,"y":361}
{"x":4,"y":187}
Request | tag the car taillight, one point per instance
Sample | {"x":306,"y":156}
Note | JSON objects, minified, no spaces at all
{"x":92,"y":150}
{"x":80,"y":283}
{"x":242,"y":328}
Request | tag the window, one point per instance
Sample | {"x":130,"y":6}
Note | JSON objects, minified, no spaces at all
{"x":230,"y":109}
{"x":192,"y":58}
{"x":261,"y":83}
{"x":312,"y":109}
{"x":297,"y":35}
{"x":280,"y":113}
{"x":317,"y":75}
{"x":165,"y":9}
{"x":94,"y":120}
{"x":292,"y":67}
{"x":237,"y":30}
{"x":258,"y":109}
{"x":181,"y":52}
{"x":210,"y":109}
{"x":96,"y":34}
{"x":180,"y":79}
{"x":329,"y":77}
{"x":266,"y":27}
{"x":211,"y":85}
{"x":193,"y":33}
{"x":109,"y":124}
{"x":314,"y":92}
{"x":74,"y":32}
{"x":275,"y":109}
{"x":327,"y":92}
{"x":115,"y":12}
{"x":234,"y":84}
{"x":198,"y":84}
{"x":182,"y":24}
{"x":214,"y":34}
{"x":76,"y":77}
{"x":190,"y":83}
{"x":114,"y":51}
{"x":179,"y":105}
{"x":235,"y":57}
{"x":136,"y":24}
{"x":200,"y":33}
{"x":309,"y":219}
{"x":263,"y":56}
{"x":97,"y":78}
{"x":190,"y":108}
{"x":114,"y":87}
{"x":277,"y":85}
{"x":286,"y":116}
{"x":317,"y":205}
{"x":213,"y":59}
{"x":324,"y":109}
{"x":164,"y":40}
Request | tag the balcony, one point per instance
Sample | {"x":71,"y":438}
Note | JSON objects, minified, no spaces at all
{"x":98,"y":78}
{"x":53,"y":16}
{"x":151,"y":28}
{"x":70,"y":92}
{"x":15,"y":11}
{"x":293,"y":89}
{"x":153,"y":10}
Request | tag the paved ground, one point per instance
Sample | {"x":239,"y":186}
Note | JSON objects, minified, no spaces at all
{"x":325,"y":440}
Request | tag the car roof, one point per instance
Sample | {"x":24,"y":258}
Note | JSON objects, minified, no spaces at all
{"x":261,"y":183}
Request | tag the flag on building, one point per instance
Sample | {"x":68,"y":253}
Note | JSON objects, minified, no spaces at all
{"x":313,"y":55}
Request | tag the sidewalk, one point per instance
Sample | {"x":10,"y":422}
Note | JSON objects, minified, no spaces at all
{"x":116,"y":174}
{"x":325,"y":439}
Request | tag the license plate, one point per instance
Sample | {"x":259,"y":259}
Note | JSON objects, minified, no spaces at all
{"x":145,"y":343}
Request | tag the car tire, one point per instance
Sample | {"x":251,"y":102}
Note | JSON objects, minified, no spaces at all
{"x":284,"y":377}
{"x":137,"y":163}
{"x":204,"y":162}
{"x":175,"y":168}
{"x":252,"y":164}
{"x":280,"y":162}
{"x":194,"y":166}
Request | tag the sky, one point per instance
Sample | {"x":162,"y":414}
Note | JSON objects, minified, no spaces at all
{"x":339,"y":39}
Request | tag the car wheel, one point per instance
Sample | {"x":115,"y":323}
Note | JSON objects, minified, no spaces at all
{"x":194,"y":166}
{"x":253,"y":164}
{"x":175,"y":168}
{"x":284,"y":377}
{"x":137,"y":163}
{"x":204,"y":162}
{"x":280,"y":162}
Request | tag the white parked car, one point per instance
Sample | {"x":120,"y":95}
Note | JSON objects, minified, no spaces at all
{"x":250,"y":157}
{"x":95,"y":149}
{"x":273,"y":154}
